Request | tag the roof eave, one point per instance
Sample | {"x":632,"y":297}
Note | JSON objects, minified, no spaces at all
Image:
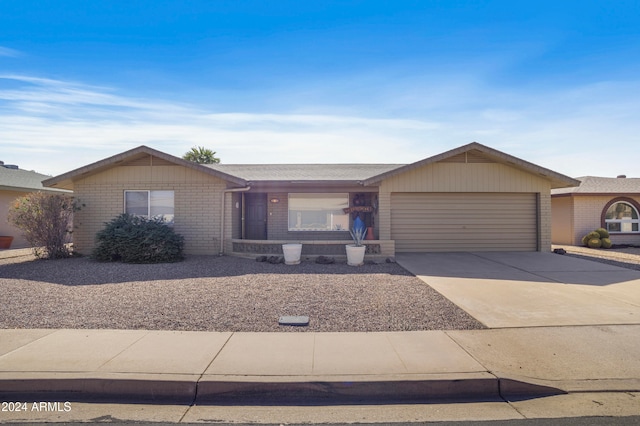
{"x":289,"y":182}
{"x":66,"y":180}
{"x":557,"y":180}
{"x":599,"y":194}
{"x":27,"y":189}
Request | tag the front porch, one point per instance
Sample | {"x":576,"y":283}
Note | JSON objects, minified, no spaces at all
{"x":319,"y":218}
{"x":376,"y":249}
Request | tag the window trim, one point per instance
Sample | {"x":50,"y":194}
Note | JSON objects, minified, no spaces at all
{"x":124,"y":199}
{"x":627,"y":200}
{"x":148,"y":191}
{"x":328,"y":194}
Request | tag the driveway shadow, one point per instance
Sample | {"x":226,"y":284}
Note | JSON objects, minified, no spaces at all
{"x":516,"y":266}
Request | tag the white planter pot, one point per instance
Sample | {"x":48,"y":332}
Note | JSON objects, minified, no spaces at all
{"x":292,"y":253}
{"x":355,"y":255}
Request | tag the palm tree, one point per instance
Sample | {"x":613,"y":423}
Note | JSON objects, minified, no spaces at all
{"x":201,"y":155}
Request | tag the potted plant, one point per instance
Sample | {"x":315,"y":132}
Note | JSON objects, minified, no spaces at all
{"x":5,"y":242}
{"x":355,"y":251}
{"x":292,"y":253}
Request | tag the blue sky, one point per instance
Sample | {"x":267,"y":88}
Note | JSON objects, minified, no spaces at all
{"x":555,"y":83}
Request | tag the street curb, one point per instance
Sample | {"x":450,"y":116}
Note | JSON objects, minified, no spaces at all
{"x":99,"y":389}
{"x":336,"y":392}
{"x":262,"y":390}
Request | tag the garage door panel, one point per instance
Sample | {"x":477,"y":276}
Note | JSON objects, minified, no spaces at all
{"x":488,"y":238}
{"x":463,"y":222}
{"x":445,"y":246}
{"x":453,"y":232}
{"x":469,"y":223}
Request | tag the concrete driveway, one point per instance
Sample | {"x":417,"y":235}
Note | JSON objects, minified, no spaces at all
{"x":517,"y":289}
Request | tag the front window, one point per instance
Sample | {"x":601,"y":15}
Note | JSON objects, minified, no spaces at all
{"x":318,"y":212}
{"x":622,"y":217}
{"x":150,"y":204}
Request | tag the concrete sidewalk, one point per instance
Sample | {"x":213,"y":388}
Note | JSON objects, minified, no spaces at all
{"x":565,"y":326}
{"x":202,"y":367}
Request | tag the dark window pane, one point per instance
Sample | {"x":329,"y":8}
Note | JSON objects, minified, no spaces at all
{"x":136,"y":203}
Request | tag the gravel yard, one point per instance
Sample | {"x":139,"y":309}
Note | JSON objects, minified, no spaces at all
{"x":206,"y":293}
{"x":628,"y":257}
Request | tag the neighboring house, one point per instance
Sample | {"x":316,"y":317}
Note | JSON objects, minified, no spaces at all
{"x":470,"y":198}
{"x":598,"y":202}
{"x":15,"y":183}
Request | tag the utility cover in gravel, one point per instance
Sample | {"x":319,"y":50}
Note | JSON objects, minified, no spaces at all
{"x":294,"y":320}
{"x":210,"y":293}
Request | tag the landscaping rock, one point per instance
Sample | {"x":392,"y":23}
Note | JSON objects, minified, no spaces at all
{"x":325,"y":260}
{"x":220,"y":294}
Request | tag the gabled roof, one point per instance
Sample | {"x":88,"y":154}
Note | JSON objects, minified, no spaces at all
{"x":557,"y":180}
{"x":22,"y":180}
{"x":592,"y":185}
{"x":360,"y":174}
{"x":331,"y":173}
{"x":66,"y":180}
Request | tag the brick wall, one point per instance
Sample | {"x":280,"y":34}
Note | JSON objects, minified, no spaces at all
{"x":544,"y":222}
{"x":197,"y":202}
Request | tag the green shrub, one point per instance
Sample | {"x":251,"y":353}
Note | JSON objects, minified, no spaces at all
{"x":606,"y":243}
{"x":593,"y":234}
{"x":585,"y":240}
{"x":134,"y":239}
{"x":595,"y":243}
{"x":602,"y":232}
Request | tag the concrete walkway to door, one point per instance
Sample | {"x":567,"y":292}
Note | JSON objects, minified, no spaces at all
{"x":522,"y":289}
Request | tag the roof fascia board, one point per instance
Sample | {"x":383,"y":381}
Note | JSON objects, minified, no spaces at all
{"x":316,"y":182}
{"x":564,"y":181}
{"x":25,"y":189}
{"x":119,"y":158}
{"x":283,"y":185}
{"x":599,"y":194}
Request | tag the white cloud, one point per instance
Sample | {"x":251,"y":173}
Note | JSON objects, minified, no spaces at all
{"x":12,"y":53}
{"x":62,"y":94}
{"x":55,"y":126}
{"x":62,"y":125}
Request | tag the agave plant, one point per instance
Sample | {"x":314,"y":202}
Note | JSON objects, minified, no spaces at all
{"x":358,"y":235}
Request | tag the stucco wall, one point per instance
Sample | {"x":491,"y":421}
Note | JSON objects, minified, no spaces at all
{"x":562,"y":220}
{"x":6,"y":199}
{"x":587,"y":213}
{"x":198,"y":199}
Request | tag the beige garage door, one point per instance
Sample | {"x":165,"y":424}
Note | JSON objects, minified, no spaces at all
{"x":464,"y":221}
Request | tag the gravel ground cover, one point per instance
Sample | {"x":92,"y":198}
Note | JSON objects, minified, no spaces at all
{"x":628,"y":257}
{"x":206,"y":293}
